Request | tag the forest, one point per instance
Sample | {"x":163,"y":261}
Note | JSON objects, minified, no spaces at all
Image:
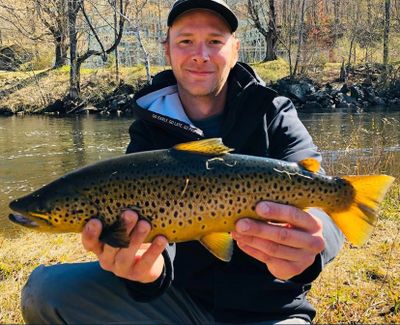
{"x":325,"y":40}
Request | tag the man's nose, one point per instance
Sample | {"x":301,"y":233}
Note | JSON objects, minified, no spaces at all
{"x":201,"y":53}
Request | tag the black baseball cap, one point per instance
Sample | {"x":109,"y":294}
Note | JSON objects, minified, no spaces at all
{"x":219,"y":6}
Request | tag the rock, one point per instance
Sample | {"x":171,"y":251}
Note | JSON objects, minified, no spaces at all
{"x":394,"y":102}
{"x":312,"y":105}
{"x":379,"y":101}
{"x":301,"y":90}
{"x":296,"y":90}
{"x":356,"y":92}
{"x":345,"y":89}
{"x":56,"y":107}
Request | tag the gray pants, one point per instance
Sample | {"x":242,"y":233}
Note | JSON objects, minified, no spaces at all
{"x":85,"y":294}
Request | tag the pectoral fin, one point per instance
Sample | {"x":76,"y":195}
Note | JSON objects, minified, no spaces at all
{"x":115,"y":235}
{"x":220,"y":244}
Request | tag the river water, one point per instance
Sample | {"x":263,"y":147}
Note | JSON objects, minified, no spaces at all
{"x":37,"y":149}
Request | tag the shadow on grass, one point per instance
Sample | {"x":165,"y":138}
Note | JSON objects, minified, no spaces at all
{"x":24,"y":83}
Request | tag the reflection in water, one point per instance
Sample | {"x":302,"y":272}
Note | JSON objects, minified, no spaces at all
{"x":35,"y":150}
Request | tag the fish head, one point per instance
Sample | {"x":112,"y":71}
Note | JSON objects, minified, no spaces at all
{"x":53,"y":209}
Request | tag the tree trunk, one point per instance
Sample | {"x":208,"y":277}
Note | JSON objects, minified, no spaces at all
{"x":386,"y":35}
{"x":300,"y":41}
{"x":115,"y":40}
{"x":61,"y":48}
{"x":74,"y":76}
{"x":271,"y":38}
{"x":146,"y":56}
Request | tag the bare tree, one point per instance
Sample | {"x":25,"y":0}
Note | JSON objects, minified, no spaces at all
{"x":300,"y":37}
{"x":138,"y":8}
{"x":52,"y":16}
{"x":74,"y":8}
{"x":386,"y":33}
{"x":265,"y":24}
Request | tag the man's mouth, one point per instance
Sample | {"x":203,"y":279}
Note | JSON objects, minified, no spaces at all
{"x":200,"y":72}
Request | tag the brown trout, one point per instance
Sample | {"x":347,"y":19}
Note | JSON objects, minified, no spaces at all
{"x":197,"y":191}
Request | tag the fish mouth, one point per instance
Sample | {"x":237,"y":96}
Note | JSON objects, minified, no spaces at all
{"x":31,"y":220}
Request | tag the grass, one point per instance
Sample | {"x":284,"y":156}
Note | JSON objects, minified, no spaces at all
{"x":362,"y":285}
{"x":31,"y":91}
{"x":273,"y":70}
{"x":20,"y":255}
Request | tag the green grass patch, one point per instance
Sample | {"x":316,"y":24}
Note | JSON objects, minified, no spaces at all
{"x":273,"y":70}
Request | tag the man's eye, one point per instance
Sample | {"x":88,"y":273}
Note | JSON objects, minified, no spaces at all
{"x":185,"y":41}
{"x":215,"y":42}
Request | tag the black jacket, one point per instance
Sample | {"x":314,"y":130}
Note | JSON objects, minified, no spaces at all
{"x":256,"y":122}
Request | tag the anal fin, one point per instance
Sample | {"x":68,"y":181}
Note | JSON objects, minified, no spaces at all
{"x":220,"y":244}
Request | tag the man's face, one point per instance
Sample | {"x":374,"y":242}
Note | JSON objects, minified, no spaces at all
{"x":201,"y":51}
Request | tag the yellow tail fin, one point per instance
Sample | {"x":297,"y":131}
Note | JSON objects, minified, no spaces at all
{"x":359,"y":220}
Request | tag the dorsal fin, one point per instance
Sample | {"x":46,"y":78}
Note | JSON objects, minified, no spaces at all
{"x":310,"y":164}
{"x":212,"y":146}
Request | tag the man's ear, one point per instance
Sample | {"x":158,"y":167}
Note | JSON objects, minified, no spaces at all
{"x":236,"y":48}
{"x":167,"y":51}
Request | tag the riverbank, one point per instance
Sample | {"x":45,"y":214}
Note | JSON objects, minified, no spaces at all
{"x":361,"y":285}
{"x":44,"y":92}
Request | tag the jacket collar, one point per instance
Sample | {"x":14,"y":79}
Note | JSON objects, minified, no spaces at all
{"x":159,"y":102}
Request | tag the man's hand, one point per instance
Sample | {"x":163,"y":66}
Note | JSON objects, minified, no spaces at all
{"x":138,"y":262}
{"x":287,"y":248}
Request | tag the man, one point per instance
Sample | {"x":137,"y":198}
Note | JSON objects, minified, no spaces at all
{"x":207,"y":94}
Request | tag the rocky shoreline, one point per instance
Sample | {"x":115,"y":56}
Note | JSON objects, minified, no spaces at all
{"x":306,"y":94}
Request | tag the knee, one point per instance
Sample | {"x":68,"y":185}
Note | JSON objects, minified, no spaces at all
{"x":40,"y":295}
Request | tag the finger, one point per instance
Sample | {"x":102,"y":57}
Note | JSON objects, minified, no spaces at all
{"x":130,"y":219}
{"x":276,"y":250}
{"x":107,"y":258}
{"x":90,"y":237}
{"x":288,"y":214}
{"x":280,"y":235}
{"x":149,"y":259}
{"x":139,"y":234}
{"x":125,"y":258}
{"x":281,"y":269}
